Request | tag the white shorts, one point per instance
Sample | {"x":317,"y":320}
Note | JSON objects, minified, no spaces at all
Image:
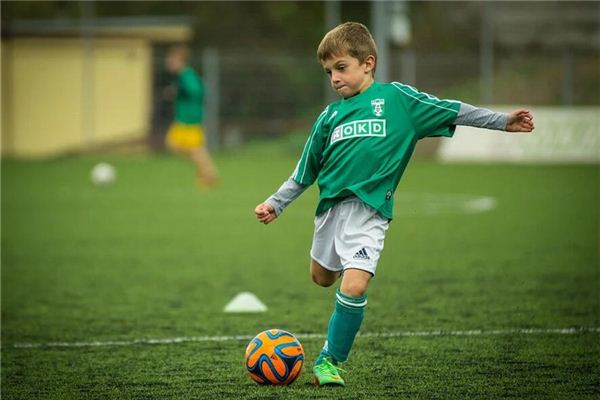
{"x":349,"y":235}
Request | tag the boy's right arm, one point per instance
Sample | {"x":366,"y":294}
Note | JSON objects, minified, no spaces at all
{"x":274,"y":205}
{"x":305,"y":174}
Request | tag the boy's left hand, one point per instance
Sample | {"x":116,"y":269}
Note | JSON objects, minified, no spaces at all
{"x":520,"y":120}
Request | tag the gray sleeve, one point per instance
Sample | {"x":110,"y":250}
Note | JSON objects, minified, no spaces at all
{"x":480,"y":117}
{"x":287,"y":193}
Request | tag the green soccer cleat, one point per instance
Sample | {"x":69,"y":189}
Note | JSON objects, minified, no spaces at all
{"x":327,"y":374}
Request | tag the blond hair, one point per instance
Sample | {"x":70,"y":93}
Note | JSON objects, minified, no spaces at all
{"x":349,"y":38}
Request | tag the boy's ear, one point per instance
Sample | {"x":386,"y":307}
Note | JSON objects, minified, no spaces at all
{"x":369,"y":63}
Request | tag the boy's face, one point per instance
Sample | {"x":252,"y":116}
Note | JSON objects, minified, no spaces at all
{"x":174,"y":63}
{"x":347,"y":75}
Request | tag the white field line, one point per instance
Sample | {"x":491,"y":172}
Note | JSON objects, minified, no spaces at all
{"x":305,"y":336}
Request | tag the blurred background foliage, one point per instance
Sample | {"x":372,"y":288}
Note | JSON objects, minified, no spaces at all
{"x":543,"y":53}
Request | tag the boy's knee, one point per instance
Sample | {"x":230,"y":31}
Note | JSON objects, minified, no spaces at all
{"x":321,"y":280}
{"x":355,"y":289}
{"x":355,"y":282}
{"x":322,"y":276}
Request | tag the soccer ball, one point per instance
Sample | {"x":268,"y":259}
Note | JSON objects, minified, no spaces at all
{"x":274,"y":357}
{"x":103,"y":174}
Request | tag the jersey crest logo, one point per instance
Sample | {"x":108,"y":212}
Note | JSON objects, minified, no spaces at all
{"x":378,"y":107}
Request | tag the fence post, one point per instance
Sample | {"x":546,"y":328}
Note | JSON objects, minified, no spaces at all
{"x":408,"y":67}
{"x":210,"y":71}
{"x":567,"y":76}
{"x":486,"y":53}
{"x":333,"y":17}
{"x":87,"y":28}
{"x":380,"y":24}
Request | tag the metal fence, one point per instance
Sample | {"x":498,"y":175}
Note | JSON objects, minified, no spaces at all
{"x":253,"y":93}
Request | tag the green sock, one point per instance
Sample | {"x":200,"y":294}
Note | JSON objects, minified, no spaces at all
{"x":343,"y":326}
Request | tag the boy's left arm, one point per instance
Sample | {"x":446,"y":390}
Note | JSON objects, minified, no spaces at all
{"x":519,"y":120}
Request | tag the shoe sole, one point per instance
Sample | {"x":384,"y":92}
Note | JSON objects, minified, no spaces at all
{"x":330,"y":384}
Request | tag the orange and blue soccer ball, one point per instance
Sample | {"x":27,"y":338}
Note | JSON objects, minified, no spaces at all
{"x":274,"y":357}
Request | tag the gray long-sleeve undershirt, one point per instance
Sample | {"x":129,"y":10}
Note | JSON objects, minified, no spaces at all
{"x":287,"y":193}
{"x":468,"y":115}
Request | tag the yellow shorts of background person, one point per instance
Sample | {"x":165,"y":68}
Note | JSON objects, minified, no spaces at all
{"x":184,"y":137}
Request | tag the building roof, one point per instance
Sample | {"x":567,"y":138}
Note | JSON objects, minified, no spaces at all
{"x":157,"y":29}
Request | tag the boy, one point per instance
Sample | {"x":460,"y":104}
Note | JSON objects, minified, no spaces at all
{"x":186,"y":135}
{"x":358,"y":149}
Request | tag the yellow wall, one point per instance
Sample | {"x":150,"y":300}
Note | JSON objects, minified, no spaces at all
{"x":56,"y":99}
{"x":123,"y":89}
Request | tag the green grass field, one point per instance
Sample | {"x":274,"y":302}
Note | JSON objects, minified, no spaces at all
{"x":153,"y":257}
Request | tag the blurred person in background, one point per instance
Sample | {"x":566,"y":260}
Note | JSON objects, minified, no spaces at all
{"x":186,"y":134}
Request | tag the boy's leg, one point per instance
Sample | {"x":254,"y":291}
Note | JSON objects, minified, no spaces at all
{"x":358,"y":241}
{"x":344,"y":324}
{"x":355,"y":282}
{"x":347,"y":315}
{"x":322,"y":276}
{"x":204,"y":165}
{"x":325,"y":263}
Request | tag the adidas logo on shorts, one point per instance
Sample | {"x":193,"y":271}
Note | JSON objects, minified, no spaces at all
{"x":361,"y":255}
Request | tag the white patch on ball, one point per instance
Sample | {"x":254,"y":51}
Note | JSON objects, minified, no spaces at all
{"x":103,"y":174}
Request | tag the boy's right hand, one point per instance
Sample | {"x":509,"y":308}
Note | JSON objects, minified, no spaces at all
{"x":265,"y":213}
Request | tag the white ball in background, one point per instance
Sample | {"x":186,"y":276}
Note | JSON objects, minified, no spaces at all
{"x":103,"y":174}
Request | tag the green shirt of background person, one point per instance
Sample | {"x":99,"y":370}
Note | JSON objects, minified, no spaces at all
{"x":190,"y":97}
{"x":186,"y":133}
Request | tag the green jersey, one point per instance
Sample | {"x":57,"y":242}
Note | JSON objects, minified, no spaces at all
{"x":190,"y":95}
{"x":360,"y":146}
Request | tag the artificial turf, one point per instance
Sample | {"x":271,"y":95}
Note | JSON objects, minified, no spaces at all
{"x":152,"y":256}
